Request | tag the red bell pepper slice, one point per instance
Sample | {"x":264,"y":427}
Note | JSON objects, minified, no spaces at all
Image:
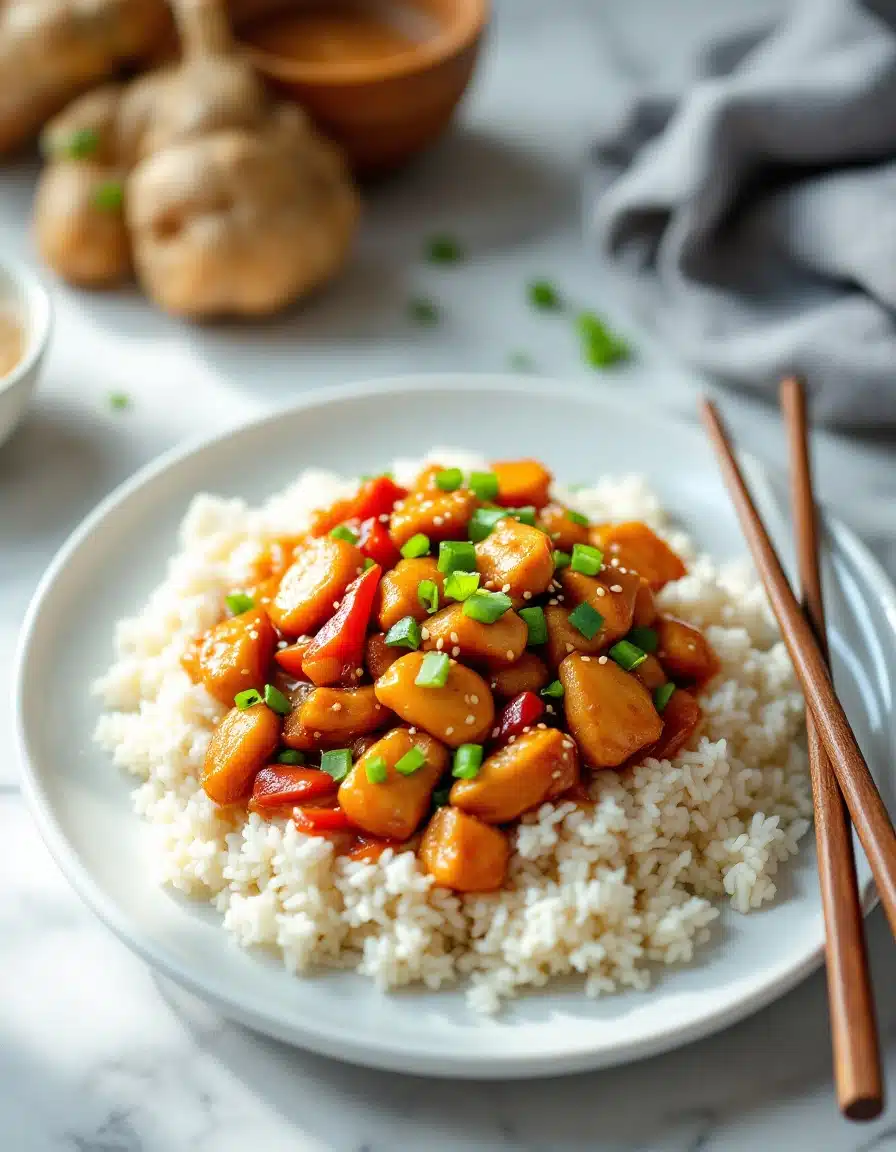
{"x":521,"y":712}
{"x":377,"y":497}
{"x":278,"y":784}
{"x":290,"y":658}
{"x":317,"y":821}
{"x":340,"y":643}
{"x":370,"y":848}
{"x":376,"y":543}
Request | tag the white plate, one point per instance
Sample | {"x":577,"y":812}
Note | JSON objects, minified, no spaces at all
{"x":81,"y":801}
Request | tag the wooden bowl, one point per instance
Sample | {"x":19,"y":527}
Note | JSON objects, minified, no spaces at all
{"x":381,"y":109}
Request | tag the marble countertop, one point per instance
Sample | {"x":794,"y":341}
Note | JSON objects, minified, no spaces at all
{"x":96,"y":1054}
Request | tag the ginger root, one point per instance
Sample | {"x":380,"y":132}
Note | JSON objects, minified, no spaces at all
{"x":229,"y":204}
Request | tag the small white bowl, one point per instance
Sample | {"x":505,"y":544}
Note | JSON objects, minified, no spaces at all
{"x":23,"y":293}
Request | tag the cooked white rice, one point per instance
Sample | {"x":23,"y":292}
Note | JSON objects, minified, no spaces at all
{"x":605,"y":893}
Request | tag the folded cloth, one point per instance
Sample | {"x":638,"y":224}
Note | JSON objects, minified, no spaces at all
{"x":756,"y":215}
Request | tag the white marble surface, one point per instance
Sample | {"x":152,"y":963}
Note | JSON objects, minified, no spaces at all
{"x":95,"y":1055}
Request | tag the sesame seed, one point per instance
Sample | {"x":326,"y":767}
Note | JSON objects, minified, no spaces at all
{"x":615,"y":562}
{"x":359,"y":570}
{"x":569,"y":647}
{"x":527,"y":595}
{"x":553,"y":601}
{"x":438,"y":521}
{"x":511,"y":740}
{"x":469,"y":718}
{"x":412,"y":731}
{"x":489,"y":583}
{"x":622,"y":570}
{"x":383,"y":517}
{"x":495,"y":732}
{"x":556,"y":774}
{"x":336,"y":707}
{"x":505,"y":588}
{"x":244,"y":672}
{"x":317,"y":735}
{"x":586,"y":659}
{"x":455,"y":651}
{"x":561,"y":598}
{"x":254,"y":634}
{"x":449,"y":731}
{"x":335,"y":603}
{"x":424,"y":633}
{"x":377,"y":707}
{"x":453,"y":637}
{"x":614,"y":547}
{"x":474,"y":699}
{"x":510,"y":654}
{"x":615,"y":587}
{"x":440,"y":644}
{"x":282,"y":643}
{"x":601,"y":591}
{"x":359,"y":671}
{"x":466,"y":698}
{"x":601,"y":659}
{"x":493,"y":683}
{"x":550,"y":709}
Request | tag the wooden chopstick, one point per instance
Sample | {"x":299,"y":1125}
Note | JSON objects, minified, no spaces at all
{"x":866,"y":809}
{"x":857,"y":1072}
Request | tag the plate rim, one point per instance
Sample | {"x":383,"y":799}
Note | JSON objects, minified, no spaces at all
{"x":375,"y":1051}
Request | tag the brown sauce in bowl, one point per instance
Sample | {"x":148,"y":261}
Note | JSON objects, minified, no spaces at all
{"x":12,"y":342}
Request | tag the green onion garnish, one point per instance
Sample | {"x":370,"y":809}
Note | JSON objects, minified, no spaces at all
{"x":423,"y":312}
{"x":290,"y":756}
{"x":404,"y":634}
{"x":484,"y":485}
{"x":554,"y":690}
{"x":444,"y":249}
{"x":457,"y":556}
{"x":460,"y":585}
{"x":238,"y":603}
{"x":561,"y":559}
{"x":576,"y":517}
{"x":627,"y":655}
{"x":433,"y":670}
{"x":467,"y":761}
{"x":337,"y":763}
{"x":586,"y":559}
{"x":276,"y":701}
{"x":428,"y":595}
{"x":119,"y":401}
{"x":600,"y":346}
{"x":412,"y":761}
{"x":483,"y":521}
{"x":418,"y":545}
{"x":377,"y":770}
{"x":247,"y":699}
{"x":663,"y":695}
{"x":525,"y":515}
{"x":543,"y":295}
{"x":83,"y":142}
{"x":487,"y":607}
{"x":586,"y":620}
{"x":343,"y":532}
{"x":441,"y":797}
{"x":108,"y":196}
{"x":449,"y":479}
{"x":535,"y":622}
{"x":645,"y":638}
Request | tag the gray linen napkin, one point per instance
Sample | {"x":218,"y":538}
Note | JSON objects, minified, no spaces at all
{"x":756,"y":215}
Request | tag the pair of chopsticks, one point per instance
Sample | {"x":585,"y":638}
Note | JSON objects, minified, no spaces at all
{"x":842,"y":787}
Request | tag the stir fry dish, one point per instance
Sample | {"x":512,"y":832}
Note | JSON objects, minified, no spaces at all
{"x":423,"y":667}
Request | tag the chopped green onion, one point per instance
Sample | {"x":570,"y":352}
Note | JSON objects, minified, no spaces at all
{"x":449,"y":479}
{"x":412,"y":761}
{"x":83,"y":142}
{"x":337,"y":763}
{"x":467,"y":761}
{"x":601,"y":347}
{"x":460,"y":585}
{"x":276,"y":701}
{"x":108,"y":196}
{"x":444,"y":249}
{"x":428,"y":595}
{"x":433,"y":670}
{"x":586,"y":620}
{"x":543,"y":295}
{"x":290,"y":756}
{"x":525,"y":515}
{"x":238,"y":603}
{"x":586,"y":559}
{"x":441,"y":797}
{"x":627,"y":655}
{"x":377,"y":770}
{"x":554,"y":690}
{"x":423,"y":312}
{"x":535,"y":622}
{"x":247,"y":699}
{"x":561,"y":559}
{"x":487,"y":607}
{"x":484,"y":485}
{"x":418,"y":545}
{"x":457,"y":556}
{"x":483,"y":521}
{"x":663,"y":695}
{"x":343,"y":532}
{"x":521,"y":361}
{"x":119,"y":401}
{"x":368,"y":563}
{"x":404,"y":634}
{"x":645,"y":638}
{"x":576,"y":517}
